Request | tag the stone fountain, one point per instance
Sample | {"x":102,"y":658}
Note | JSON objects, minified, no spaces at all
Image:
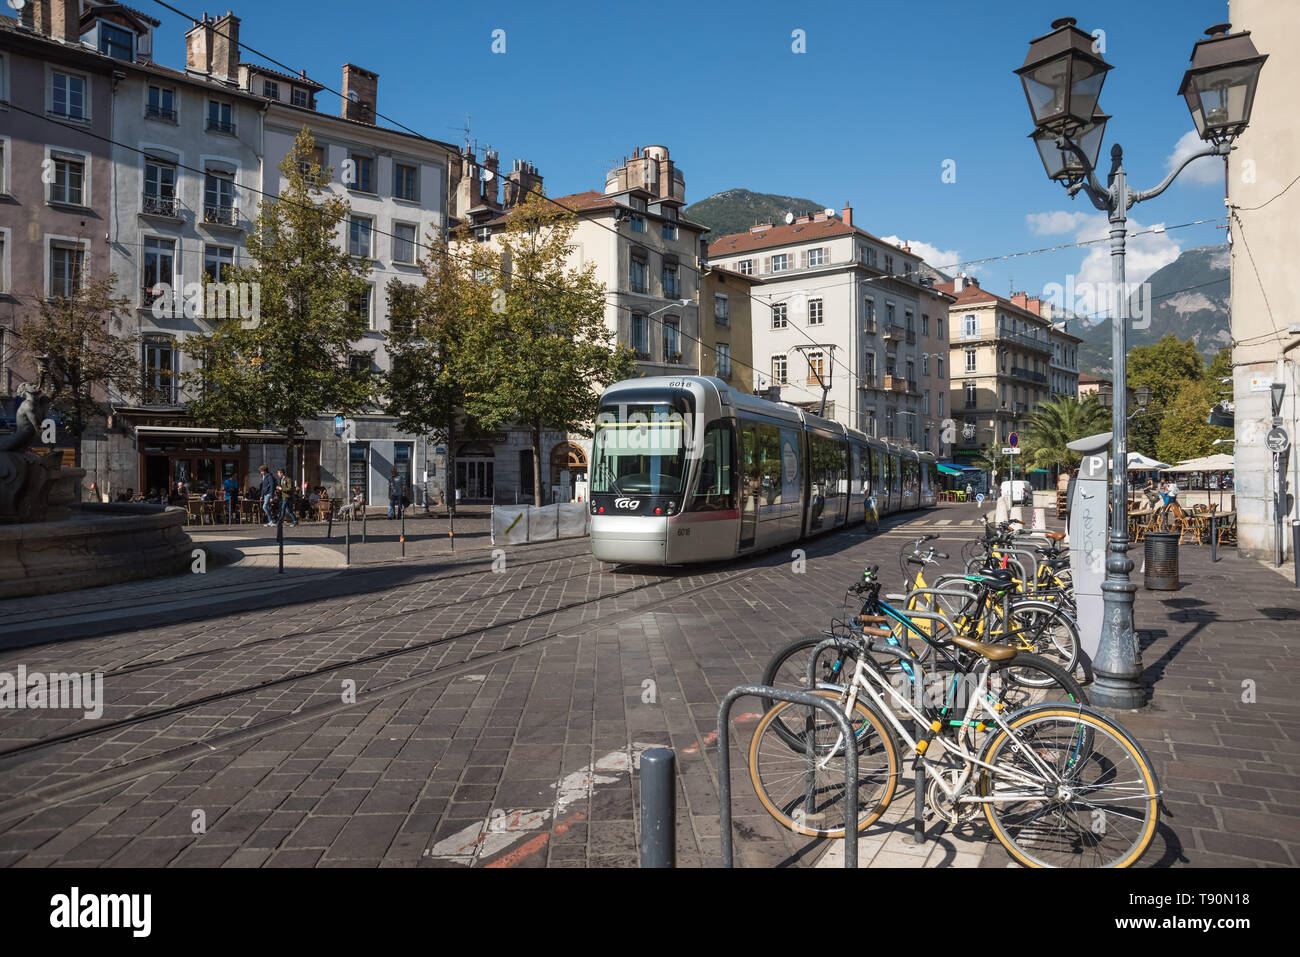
{"x":51,"y":541}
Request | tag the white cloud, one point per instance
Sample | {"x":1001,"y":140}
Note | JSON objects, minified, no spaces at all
{"x":1143,"y":254}
{"x":1206,"y":171}
{"x":941,"y":259}
{"x":1056,"y":222}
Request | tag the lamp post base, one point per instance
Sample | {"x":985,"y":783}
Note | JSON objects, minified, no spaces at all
{"x":1117,"y":693}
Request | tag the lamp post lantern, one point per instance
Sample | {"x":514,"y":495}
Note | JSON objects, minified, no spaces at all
{"x":1062,"y":78}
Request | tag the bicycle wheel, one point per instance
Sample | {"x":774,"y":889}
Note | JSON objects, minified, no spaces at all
{"x":806,"y":794}
{"x":1043,"y":629}
{"x":1029,"y":679}
{"x":1094,"y":801}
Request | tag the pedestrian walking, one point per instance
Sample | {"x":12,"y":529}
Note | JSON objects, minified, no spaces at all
{"x":267,"y":492}
{"x":396,"y":495}
{"x":286,"y":497}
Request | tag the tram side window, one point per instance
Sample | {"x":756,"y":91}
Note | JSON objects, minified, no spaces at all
{"x":827,"y":471}
{"x":714,"y":490}
{"x":769,"y":465}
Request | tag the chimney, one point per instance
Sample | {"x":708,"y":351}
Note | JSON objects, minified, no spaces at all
{"x":198,"y":47}
{"x":360,"y":94}
{"x":847,"y":214}
{"x":225,"y":48}
{"x":1034,"y":305}
{"x":58,"y":19}
{"x":523,"y":179}
{"x":1019,"y":299}
{"x":959,"y":282}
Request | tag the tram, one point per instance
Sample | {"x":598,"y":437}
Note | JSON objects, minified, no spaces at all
{"x":687,"y":469}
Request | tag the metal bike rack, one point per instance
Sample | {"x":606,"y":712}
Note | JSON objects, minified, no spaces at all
{"x":724,"y":763}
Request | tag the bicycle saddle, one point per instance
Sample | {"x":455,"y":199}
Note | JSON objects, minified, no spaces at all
{"x":994,"y":579}
{"x":1055,"y":536}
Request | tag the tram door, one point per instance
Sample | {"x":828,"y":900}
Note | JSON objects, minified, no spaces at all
{"x":750,"y":484}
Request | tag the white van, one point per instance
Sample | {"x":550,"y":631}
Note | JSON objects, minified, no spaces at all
{"x":1018,"y":492}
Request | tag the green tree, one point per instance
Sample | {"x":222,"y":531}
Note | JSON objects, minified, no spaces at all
{"x":295,"y":360}
{"x":87,"y":359}
{"x":1163,"y":367}
{"x":1054,"y":424}
{"x":542,"y":353}
{"x":1184,"y":433}
{"x":429,"y":324}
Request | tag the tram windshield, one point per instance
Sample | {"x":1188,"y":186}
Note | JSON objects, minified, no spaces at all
{"x":639,"y":449}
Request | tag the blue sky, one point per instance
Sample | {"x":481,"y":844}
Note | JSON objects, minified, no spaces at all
{"x":885,"y":93}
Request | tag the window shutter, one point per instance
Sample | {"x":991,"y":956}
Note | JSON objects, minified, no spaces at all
{"x":803,"y":258}
{"x":767,"y":264}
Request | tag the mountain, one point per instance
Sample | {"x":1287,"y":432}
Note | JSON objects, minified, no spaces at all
{"x":735,"y":210}
{"x":1189,"y":298}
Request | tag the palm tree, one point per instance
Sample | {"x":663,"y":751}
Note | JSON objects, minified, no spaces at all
{"x":1054,"y":424}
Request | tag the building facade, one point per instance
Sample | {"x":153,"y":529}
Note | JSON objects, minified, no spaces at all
{"x":727,"y":345}
{"x":1265,"y":247}
{"x":56,"y":191}
{"x":845,"y":318}
{"x":1000,"y":357}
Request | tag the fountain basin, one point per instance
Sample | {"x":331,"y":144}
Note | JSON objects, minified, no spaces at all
{"x":98,"y":544}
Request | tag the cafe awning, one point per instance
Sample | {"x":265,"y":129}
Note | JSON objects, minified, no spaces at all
{"x":1206,"y":463}
{"x":951,"y":468}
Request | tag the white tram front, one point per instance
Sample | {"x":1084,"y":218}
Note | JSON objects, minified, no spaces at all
{"x":688,"y":469}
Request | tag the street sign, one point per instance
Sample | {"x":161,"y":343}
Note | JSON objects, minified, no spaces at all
{"x":979,"y":499}
{"x":1277,"y":440}
{"x":338,"y":425}
{"x":1013,"y":440}
{"x":1010,"y":451}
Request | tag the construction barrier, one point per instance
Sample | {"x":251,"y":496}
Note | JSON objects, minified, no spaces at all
{"x":518,"y":524}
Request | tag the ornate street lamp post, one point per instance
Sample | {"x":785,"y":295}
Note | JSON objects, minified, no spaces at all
{"x":1062,"y":77}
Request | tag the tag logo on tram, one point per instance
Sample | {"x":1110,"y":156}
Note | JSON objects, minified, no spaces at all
{"x":626,"y":502}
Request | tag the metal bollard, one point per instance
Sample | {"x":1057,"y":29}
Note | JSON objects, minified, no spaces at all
{"x":451,"y":528}
{"x":403,"y":532}
{"x":1295,"y":549}
{"x":658,"y":809}
{"x":347,"y":534}
{"x":364,"y":509}
{"x":1214,"y":538}
{"x":329,"y":532}
{"x":279,"y":537}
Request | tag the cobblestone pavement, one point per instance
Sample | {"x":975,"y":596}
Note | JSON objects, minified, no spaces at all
{"x":437,"y":713}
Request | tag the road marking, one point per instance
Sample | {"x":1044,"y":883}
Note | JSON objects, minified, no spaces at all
{"x":943,"y":521}
{"x":502,"y":828}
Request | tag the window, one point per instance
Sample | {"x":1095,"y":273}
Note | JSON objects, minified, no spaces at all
{"x":868,"y":365}
{"x":671,"y":289}
{"x":911,"y":372}
{"x":925,"y":403}
{"x":779,"y":370}
{"x":404,"y":181}
{"x":909,"y":320}
{"x":115,"y":41}
{"x":779,"y":317}
{"x":162,"y":103}
{"x":69,"y":95}
{"x":638,"y":278}
{"x":4,"y":281}
{"x":364,"y":172}
{"x":668,"y":230}
{"x":360,"y":230}
{"x":970,"y":327}
{"x":869,"y":256}
{"x":925,"y":324}
{"x":745,"y":267}
{"x":318,"y":161}
{"x":217,"y":262}
{"x":362,"y":307}
{"x":359,"y":363}
{"x":721,"y":309}
{"x":301,"y":98}
{"x":938,"y":327}
{"x":66,"y":262}
{"x":816,"y":368}
{"x":640,"y":336}
{"x":722,"y":363}
{"x":815,"y":314}
{"x":941,"y":404}
{"x":869,"y":314}
{"x":221,"y":117}
{"x":638,"y":223}
{"x":4,"y":169}
{"x":889,"y":314}
{"x":939,"y":368}
{"x":159,"y":188}
{"x":780,"y":262}
{"x":925,"y":364}
{"x":672,"y":340}
{"x":714,"y":490}
{"x":970,"y":395}
{"x":889,"y":264}
{"x":970,"y":360}
{"x":69,"y":180}
{"x":816,"y":257}
{"x":270,"y":89}
{"x":159,"y":265}
{"x":403,"y":243}
{"x":219,"y":198}
{"x":159,"y":368}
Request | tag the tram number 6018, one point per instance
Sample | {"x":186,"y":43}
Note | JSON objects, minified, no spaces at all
{"x":683,"y":531}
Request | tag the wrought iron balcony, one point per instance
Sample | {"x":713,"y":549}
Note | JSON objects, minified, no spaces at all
{"x":168,"y":206}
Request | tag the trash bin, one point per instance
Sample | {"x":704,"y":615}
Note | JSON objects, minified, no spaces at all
{"x":1161,"y":561}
